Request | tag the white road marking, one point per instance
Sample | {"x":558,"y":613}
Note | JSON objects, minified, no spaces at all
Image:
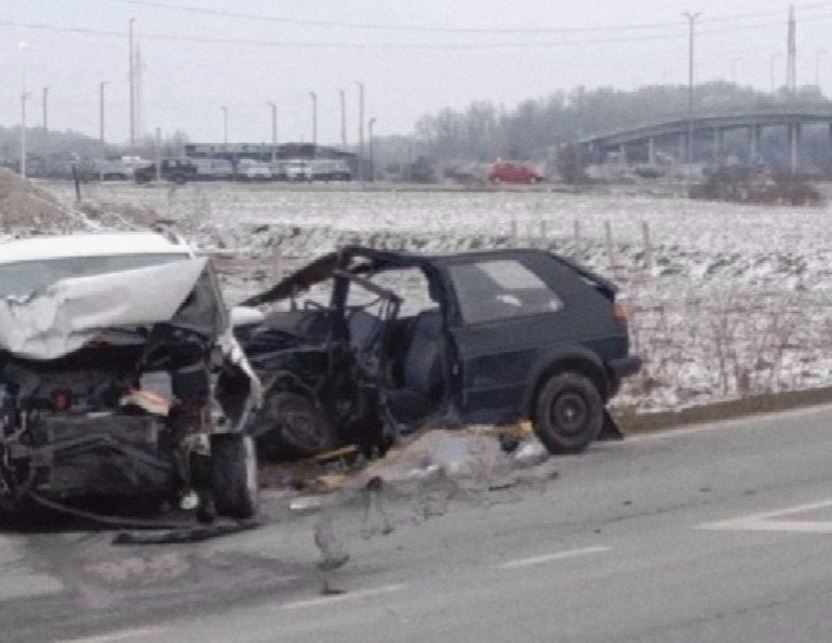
{"x":340,"y":598}
{"x":769,"y":521}
{"x":123,"y":635}
{"x":549,"y":558}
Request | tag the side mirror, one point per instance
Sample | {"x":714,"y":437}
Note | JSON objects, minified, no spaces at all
{"x":245,"y":316}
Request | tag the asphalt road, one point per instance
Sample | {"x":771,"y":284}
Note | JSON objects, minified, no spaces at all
{"x":711,"y":533}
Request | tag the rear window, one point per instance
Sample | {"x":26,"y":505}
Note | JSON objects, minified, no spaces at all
{"x":26,"y":277}
{"x":500,"y":289}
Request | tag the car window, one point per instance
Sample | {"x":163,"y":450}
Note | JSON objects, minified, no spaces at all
{"x":410,"y":284}
{"x":500,"y":289}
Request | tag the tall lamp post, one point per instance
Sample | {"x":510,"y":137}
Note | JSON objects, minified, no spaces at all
{"x":360,"y":128}
{"x":692,"y":17}
{"x":23,"y":98}
{"x":224,"y":111}
{"x":314,"y":98}
{"x":101,"y":87}
{"x":370,"y":125}
{"x":343,"y":96}
{"x":818,"y":55}
{"x":45,"y":109}
{"x":273,"y":107}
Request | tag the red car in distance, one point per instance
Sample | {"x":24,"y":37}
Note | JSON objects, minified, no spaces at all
{"x":513,"y":173}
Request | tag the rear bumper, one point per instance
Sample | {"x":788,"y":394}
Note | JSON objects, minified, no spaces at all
{"x":621,"y":368}
{"x":625,"y":366}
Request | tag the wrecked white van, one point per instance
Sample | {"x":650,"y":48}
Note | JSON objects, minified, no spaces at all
{"x":119,"y":375}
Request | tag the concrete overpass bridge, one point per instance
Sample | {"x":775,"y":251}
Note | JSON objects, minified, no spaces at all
{"x":712,"y":127}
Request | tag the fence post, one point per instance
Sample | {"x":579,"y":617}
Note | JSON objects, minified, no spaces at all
{"x":514,"y":231}
{"x":648,"y":247}
{"x":608,"y":235}
{"x":577,"y":238}
{"x":542,"y":229}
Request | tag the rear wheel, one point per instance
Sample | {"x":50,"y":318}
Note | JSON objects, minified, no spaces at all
{"x":234,"y":475}
{"x":569,"y":413}
{"x":293,"y":426}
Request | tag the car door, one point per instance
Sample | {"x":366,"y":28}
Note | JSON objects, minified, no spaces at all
{"x":506,"y":313}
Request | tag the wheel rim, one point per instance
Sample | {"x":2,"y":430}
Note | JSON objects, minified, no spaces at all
{"x":569,"y":414}
{"x":299,"y":428}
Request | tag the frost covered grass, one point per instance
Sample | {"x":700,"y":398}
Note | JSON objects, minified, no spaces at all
{"x":727,"y":300}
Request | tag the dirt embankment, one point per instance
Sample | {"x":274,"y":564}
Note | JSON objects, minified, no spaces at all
{"x":26,"y":208}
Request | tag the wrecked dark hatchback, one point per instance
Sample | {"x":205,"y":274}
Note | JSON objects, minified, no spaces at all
{"x":120,"y":377}
{"x":387,"y":342}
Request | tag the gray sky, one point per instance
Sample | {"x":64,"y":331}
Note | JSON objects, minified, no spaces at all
{"x":406,"y":72}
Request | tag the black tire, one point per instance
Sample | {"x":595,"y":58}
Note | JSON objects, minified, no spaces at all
{"x":234,"y":475}
{"x":290,"y":425}
{"x":569,"y":413}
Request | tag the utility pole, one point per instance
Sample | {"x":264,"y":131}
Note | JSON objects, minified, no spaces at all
{"x":23,"y":98}
{"x":791,"y":67}
{"x":45,"y":109}
{"x":158,"y":154}
{"x":273,"y":107}
{"x":774,"y":57}
{"x":360,"y":129}
{"x":224,"y":111}
{"x":314,"y":98}
{"x":692,"y":17}
{"x":370,"y":124}
{"x":343,"y":119}
{"x":132,"y":73}
{"x":818,"y":54}
{"x":101,"y":87}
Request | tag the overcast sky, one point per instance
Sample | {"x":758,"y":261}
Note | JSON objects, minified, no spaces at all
{"x":407,"y":72}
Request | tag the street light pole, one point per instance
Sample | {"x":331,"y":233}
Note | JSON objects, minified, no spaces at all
{"x":692,"y":17}
{"x":132,"y":89}
{"x":360,"y":128}
{"x":224,"y":111}
{"x":101,"y":87}
{"x":343,"y":119}
{"x":818,"y":54}
{"x":370,"y":124}
{"x":314,"y":98}
{"x":23,"y":97}
{"x":273,"y":107}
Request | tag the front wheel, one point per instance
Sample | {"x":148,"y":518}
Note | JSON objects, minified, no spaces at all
{"x":234,"y":475}
{"x":569,"y":413}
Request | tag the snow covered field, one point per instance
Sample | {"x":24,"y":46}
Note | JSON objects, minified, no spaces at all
{"x":728,"y":300}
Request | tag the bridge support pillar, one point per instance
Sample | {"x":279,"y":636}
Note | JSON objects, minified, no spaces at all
{"x":755,"y":133}
{"x":719,"y":143}
{"x":651,"y":150}
{"x":794,"y":146}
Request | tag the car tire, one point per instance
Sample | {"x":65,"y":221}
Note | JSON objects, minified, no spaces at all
{"x":569,"y":413}
{"x":234,"y":475}
{"x":294,"y":427}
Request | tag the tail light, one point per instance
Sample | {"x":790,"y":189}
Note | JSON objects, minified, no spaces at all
{"x":61,"y":400}
{"x":620,"y":314}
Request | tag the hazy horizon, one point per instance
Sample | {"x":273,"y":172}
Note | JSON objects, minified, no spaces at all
{"x":413,"y":58}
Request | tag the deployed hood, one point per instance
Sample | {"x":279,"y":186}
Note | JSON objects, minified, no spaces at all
{"x":63,"y":317}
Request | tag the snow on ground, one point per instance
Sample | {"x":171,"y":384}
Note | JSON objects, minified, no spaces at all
{"x":730,"y":300}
